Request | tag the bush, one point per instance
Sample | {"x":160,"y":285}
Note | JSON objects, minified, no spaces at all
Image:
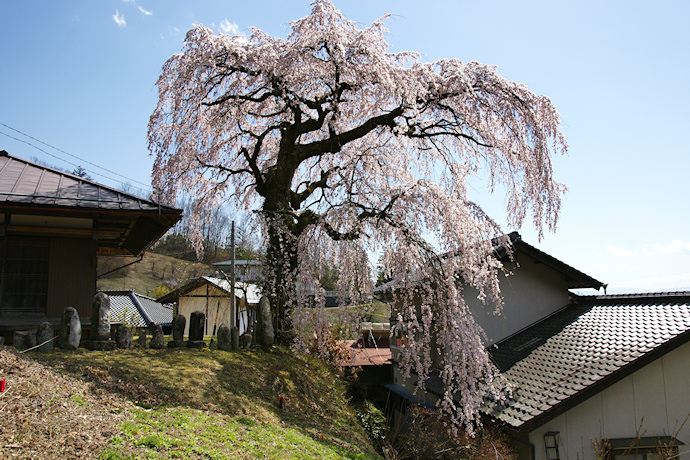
{"x":373,"y":421}
{"x":428,"y":437}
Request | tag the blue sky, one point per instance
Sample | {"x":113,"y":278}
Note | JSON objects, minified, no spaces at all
{"x":79,"y":75}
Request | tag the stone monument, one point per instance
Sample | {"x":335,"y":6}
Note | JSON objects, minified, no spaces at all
{"x":70,"y":329}
{"x":157,"y":338}
{"x":45,"y":336}
{"x":178,"y":324}
{"x":99,"y":338}
{"x":197,"y":322}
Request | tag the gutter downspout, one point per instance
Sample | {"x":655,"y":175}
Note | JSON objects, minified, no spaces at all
{"x":141,"y":257}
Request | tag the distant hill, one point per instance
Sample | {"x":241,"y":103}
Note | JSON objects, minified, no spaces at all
{"x":154,"y":276}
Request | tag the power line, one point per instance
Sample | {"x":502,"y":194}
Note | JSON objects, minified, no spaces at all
{"x":58,"y":158}
{"x":129,"y":179}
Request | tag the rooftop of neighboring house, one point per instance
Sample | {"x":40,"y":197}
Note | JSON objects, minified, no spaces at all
{"x":137,"y":310}
{"x":584,"y":348}
{"x":575,"y":279}
{"x":239,"y":263}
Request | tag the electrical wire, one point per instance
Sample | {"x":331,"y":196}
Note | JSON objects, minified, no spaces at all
{"x":129,"y":179}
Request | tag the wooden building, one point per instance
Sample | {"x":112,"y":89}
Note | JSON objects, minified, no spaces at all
{"x":53,"y":225}
{"x":212,"y":296}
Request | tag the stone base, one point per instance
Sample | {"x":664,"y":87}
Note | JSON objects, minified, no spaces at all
{"x":177,"y":344}
{"x":101,"y":345}
{"x":197,"y":344}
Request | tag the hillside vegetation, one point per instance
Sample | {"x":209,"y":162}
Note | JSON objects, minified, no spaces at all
{"x":153,"y":271}
{"x":175,"y":404}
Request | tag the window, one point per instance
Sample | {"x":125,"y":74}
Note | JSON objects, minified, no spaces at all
{"x":648,"y":448}
{"x":24,"y":283}
{"x":551,"y":441}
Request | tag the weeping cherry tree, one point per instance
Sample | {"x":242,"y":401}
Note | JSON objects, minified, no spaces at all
{"x":344,"y":148}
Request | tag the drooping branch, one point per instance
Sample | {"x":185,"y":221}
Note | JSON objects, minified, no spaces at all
{"x":344,"y":145}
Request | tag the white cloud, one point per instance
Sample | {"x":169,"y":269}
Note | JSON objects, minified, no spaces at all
{"x":145,"y":12}
{"x":619,"y":252}
{"x":229,"y":27}
{"x":130,"y":1}
{"x":675,"y":247}
{"x":119,"y":19}
{"x":626,"y":267}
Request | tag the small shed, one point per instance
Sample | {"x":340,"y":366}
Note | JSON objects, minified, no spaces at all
{"x":212,"y":296}
{"x":136,"y":310}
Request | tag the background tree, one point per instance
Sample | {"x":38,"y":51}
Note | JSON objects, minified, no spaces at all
{"x":81,"y":172}
{"x":345,"y":147}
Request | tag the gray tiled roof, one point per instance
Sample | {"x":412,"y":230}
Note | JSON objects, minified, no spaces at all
{"x":584,"y":348}
{"x":137,"y":310}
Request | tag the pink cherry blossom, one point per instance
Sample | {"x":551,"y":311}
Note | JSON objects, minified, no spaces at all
{"x":347,"y":149}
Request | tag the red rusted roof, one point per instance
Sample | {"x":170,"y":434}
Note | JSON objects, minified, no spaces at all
{"x":362,"y":356}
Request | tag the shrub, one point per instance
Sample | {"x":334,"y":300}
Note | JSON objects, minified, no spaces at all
{"x":428,"y":437}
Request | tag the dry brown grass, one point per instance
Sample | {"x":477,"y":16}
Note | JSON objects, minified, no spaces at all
{"x":49,"y":415}
{"x":186,"y":403}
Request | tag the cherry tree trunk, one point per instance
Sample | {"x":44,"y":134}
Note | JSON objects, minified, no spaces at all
{"x":281,"y":260}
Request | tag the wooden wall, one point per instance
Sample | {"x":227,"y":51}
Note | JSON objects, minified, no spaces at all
{"x":71,"y":276}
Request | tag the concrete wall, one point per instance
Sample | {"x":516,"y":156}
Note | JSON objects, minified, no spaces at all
{"x":655,"y":398}
{"x":209,"y":299}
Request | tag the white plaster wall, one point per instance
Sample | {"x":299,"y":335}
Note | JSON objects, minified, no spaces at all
{"x":530,"y":293}
{"x":655,"y":398}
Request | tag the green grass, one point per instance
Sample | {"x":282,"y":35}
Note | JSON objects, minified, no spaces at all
{"x":218,"y":405}
{"x":377,"y":312}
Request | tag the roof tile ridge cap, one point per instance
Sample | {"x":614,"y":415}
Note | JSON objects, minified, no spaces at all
{"x":142,"y":311}
{"x":145,"y":296}
{"x":637,"y":295}
{"x":106,"y":291}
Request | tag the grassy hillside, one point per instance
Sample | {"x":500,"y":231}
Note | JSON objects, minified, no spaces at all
{"x":176,"y":404}
{"x":154,"y":270}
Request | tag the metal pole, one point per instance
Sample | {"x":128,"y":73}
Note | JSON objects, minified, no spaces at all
{"x":233,"y":310}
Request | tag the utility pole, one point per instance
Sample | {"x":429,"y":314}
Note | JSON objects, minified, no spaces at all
{"x":233,"y":307}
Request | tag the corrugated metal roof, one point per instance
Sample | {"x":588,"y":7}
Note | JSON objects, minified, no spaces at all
{"x":26,"y":182}
{"x":596,"y":341}
{"x":124,"y":224}
{"x":137,"y":310}
{"x":242,"y":290}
